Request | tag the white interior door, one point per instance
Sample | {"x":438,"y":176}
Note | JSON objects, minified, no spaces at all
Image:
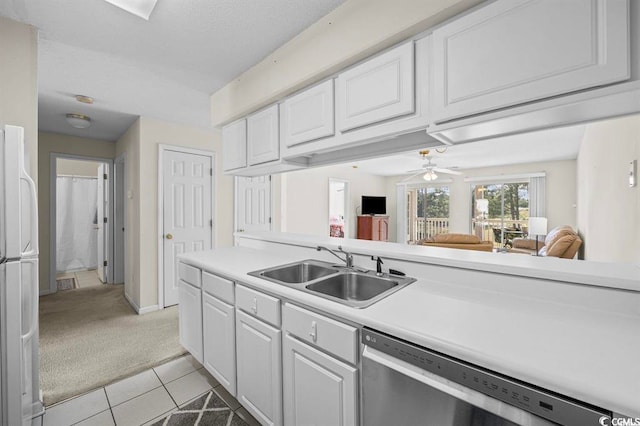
{"x":187,"y":212}
{"x":253,"y":195}
{"x":102,"y":218}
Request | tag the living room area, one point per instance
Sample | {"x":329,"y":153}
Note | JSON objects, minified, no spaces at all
{"x":566,"y":192}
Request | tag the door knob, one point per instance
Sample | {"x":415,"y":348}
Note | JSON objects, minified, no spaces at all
{"x":169,"y":237}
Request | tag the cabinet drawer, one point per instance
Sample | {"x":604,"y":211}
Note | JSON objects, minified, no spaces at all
{"x":189,"y":274}
{"x":333,"y":336}
{"x":218,"y":287}
{"x":258,"y":304}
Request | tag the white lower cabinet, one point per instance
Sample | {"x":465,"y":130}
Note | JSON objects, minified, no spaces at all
{"x":259,"y":368}
{"x":190,"y":318}
{"x":219,"y":339}
{"x":318,"y":389}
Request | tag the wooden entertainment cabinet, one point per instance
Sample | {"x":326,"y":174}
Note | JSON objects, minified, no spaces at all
{"x":374,"y":228}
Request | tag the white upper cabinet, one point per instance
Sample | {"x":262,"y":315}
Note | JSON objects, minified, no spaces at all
{"x":376,"y":90}
{"x":308,"y":115}
{"x":516,"y":51}
{"x":263,"y":139}
{"x":234,"y":145}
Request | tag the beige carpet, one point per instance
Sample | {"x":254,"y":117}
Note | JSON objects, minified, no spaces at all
{"x":90,"y":337}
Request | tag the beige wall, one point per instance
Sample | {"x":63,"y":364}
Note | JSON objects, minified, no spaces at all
{"x":61,"y":144}
{"x":77,"y":167}
{"x":608,"y":210}
{"x":141,"y":145}
{"x":304,"y":198}
{"x":129,"y":145}
{"x":560,"y":192}
{"x":353,"y":31}
{"x":19,"y":84}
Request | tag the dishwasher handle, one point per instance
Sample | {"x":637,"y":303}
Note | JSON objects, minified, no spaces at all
{"x":473,"y":397}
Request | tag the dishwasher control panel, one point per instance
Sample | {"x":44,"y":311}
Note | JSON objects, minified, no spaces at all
{"x":543,"y":403}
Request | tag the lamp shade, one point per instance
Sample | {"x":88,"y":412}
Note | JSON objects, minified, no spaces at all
{"x":538,"y":225}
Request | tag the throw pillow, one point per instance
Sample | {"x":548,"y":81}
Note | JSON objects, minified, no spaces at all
{"x":561,"y":245}
{"x":558,"y":233}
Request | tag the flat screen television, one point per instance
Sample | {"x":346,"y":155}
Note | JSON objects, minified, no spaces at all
{"x":374,"y":205}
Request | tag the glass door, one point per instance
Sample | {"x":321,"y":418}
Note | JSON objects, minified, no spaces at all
{"x":500,"y":212}
{"x":427,"y":211}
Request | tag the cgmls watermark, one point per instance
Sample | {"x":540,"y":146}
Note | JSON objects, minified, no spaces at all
{"x":626,"y":421}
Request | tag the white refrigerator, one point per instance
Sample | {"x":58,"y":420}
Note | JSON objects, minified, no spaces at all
{"x":19,"y":379}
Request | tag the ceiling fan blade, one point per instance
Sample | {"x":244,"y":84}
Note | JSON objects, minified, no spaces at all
{"x":447,"y":171}
{"x":412,"y":176}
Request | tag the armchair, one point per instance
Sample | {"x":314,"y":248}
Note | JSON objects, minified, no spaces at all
{"x":561,"y":241}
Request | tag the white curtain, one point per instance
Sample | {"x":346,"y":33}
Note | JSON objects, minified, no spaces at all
{"x":76,"y":239}
{"x":537,"y":196}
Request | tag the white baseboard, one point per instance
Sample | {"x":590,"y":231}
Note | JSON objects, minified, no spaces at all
{"x":45,"y":292}
{"x":138,"y":309}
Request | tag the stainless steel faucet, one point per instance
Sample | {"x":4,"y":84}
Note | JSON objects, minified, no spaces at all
{"x":348,"y":257}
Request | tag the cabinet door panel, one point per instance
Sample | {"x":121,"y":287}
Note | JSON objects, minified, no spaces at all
{"x":517,"y":51}
{"x":259,"y":373}
{"x":219,"y":338}
{"x":376,"y":90}
{"x":190,"y":319}
{"x":263,"y":139}
{"x":318,"y":389}
{"x":308,"y":115}
{"x":234,"y":145}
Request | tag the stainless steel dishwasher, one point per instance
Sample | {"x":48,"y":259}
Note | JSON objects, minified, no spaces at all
{"x":405,"y":384}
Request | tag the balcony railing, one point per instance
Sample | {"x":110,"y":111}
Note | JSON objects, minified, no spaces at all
{"x":427,"y":227}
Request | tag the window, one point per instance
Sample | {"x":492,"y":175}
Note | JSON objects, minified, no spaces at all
{"x":500,"y":211}
{"x":428,"y":212}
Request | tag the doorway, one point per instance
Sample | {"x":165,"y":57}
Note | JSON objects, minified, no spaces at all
{"x":81,"y":249}
{"x":338,"y":208}
{"x":185,"y":212}
{"x":253,"y":203}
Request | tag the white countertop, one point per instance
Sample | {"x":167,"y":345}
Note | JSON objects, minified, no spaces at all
{"x":615,"y":275}
{"x":586,"y":352}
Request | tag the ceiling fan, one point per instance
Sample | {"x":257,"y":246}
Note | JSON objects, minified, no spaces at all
{"x":429,"y":169}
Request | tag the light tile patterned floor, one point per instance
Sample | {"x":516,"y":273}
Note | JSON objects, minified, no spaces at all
{"x":83,"y":279}
{"x":152,"y":398}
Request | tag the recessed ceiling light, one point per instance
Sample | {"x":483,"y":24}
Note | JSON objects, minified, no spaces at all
{"x":79,"y":121}
{"x":141,"y":8}
{"x":84,"y":99}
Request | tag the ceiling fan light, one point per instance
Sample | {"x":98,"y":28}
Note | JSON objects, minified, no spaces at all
{"x":430,"y":175}
{"x":79,"y":121}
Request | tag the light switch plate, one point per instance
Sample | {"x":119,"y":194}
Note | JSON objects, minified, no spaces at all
{"x":633,"y":173}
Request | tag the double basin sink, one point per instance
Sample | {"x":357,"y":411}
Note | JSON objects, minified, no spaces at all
{"x":353,"y":287}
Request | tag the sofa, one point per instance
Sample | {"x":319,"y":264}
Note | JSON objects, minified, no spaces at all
{"x":457,"y":241}
{"x":561,"y":241}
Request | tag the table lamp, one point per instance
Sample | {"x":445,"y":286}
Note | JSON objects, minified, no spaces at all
{"x":537,"y":226}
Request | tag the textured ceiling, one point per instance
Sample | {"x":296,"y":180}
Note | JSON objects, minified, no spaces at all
{"x":164,"y":68}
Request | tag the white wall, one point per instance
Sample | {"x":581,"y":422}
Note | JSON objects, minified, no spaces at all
{"x":608,"y":210}
{"x":354,"y":30}
{"x":560,"y":192}
{"x":304,"y":198}
{"x":141,"y":145}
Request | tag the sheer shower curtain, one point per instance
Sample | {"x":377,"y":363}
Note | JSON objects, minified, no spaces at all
{"x":76,"y":207}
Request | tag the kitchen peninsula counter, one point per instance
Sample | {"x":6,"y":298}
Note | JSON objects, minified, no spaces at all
{"x":571,"y":329}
